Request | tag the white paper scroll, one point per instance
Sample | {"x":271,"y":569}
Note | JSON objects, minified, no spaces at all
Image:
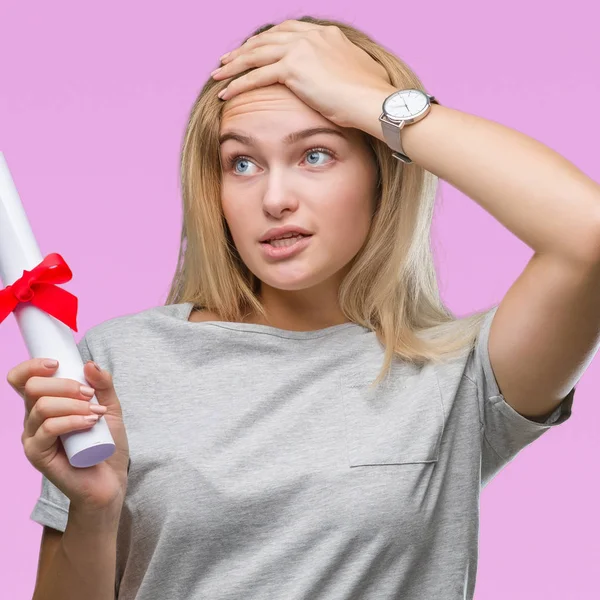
{"x":44,"y":335}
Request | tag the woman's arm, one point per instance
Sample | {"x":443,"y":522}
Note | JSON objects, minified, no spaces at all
{"x":84,"y":565}
{"x":536,"y":193}
{"x":546,"y":330}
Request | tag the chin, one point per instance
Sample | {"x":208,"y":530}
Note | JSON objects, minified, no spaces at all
{"x":291,"y":278}
{"x":289,"y":283}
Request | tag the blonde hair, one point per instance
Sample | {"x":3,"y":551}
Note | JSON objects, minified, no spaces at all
{"x":391,"y":288}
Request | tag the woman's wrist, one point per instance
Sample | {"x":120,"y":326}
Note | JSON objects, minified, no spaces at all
{"x":92,"y":519}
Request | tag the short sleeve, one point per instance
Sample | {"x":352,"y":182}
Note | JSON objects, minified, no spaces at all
{"x":505,"y":432}
{"x":52,"y":506}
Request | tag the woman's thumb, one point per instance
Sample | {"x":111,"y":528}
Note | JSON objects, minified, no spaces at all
{"x":101,"y":381}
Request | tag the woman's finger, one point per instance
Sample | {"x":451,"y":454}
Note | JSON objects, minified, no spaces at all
{"x":261,"y":77}
{"x":264,"y":39}
{"x":253,"y":59}
{"x":35,"y":387}
{"x":48,"y":407}
{"x":17,"y":377}
{"x":284,"y":33}
{"x":38,"y":445}
{"x":293,"y":25}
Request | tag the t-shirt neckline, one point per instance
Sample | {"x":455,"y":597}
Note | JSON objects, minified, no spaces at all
{"x":186,"y":309}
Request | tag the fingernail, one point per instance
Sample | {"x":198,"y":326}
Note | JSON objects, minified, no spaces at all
{"x":98,"y":409}
{"x":95,"y":365}
{"x":222,"y":93}
{"x":50,"y":364}
{"x":86,"y":390}
{"x":225,"y":55}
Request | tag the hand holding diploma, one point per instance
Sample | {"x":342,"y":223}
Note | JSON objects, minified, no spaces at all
{"x":55,"y":406}
{"x":46,"y":316}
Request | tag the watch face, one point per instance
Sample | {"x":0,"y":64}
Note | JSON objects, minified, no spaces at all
{"x":405,"y":104}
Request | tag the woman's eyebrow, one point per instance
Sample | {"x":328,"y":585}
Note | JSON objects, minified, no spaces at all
{"x":292,"y":138}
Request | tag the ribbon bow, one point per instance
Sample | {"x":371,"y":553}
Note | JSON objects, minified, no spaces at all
{"x":38,"y":287}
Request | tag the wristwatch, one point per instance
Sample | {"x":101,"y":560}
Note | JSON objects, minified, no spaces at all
{"x":401,"y":108}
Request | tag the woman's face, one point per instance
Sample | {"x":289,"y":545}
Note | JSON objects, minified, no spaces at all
{"x":327,"y":191}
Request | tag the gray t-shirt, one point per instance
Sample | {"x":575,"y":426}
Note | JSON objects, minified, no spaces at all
{"x":263,"y":467}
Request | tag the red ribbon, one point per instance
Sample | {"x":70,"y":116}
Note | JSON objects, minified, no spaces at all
{"x":38,"y":287}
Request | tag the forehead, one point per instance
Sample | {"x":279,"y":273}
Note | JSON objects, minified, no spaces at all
{"x":274,"y":103}
{"x":273,"y":112}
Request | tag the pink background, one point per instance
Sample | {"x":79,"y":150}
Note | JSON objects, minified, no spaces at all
{"x":93,"y":105}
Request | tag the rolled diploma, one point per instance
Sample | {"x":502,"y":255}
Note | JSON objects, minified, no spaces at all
{"x":44,"y":335}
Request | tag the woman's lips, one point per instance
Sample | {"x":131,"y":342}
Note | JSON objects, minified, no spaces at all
{"x":285,"y":251}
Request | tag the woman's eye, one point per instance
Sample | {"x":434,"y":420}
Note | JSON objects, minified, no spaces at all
{"x":238,"y":161}
{"x":312,"y":153}
{"x":311,"y":157}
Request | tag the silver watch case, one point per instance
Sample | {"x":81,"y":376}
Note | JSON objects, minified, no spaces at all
{"x":391,"y":127}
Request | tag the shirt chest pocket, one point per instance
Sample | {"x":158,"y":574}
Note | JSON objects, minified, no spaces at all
{"x":397,"y":422}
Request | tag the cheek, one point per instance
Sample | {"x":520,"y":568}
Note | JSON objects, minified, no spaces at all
{"x":236,"y":220}
{"x":350,"y":191}
{"x":350,"y":212}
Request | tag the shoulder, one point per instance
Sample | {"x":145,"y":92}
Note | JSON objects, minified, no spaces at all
{"x":134,"y":324}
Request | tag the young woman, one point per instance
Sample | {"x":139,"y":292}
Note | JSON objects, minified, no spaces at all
{"x":306,"y":419}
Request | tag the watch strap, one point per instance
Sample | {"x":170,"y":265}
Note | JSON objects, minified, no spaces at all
{"x":393,"y":137}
